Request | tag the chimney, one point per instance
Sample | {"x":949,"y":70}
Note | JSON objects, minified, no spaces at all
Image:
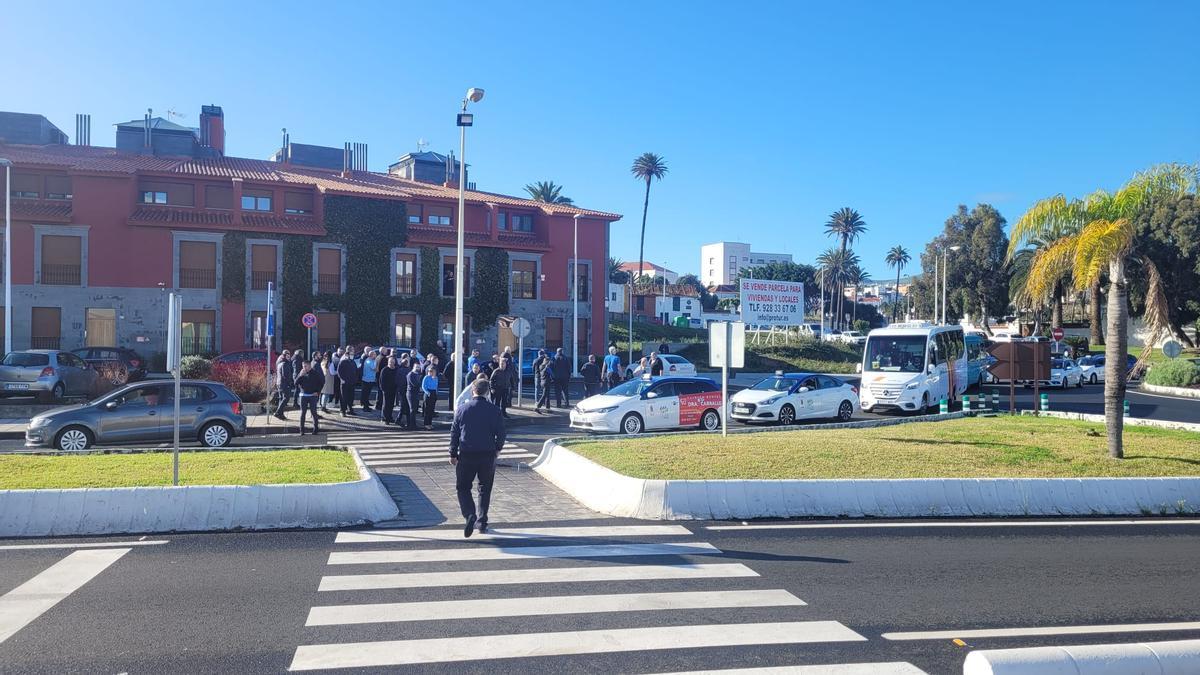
{"x":147,"y":143}
{"x":83,"y":129}
{"x":212,"y":128}
{"x":451,"y":174}
{"x":286,"y":154}
{"x":346,"y":160}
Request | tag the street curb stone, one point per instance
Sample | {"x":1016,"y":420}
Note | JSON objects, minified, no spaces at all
{"x":1179,"y":392}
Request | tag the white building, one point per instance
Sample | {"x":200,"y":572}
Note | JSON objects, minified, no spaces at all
{"x":649,"y":269}
{"x":672,"y":305}
{"x":721,"y":262}
{"x":616,"y":298}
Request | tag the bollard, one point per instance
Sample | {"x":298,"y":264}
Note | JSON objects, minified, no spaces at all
{"x":1125,"y":407}
{"x":943,"y":406}
{"x":995,"y":401}
{"x":1045,"y":403}
{"x":966,"y":403}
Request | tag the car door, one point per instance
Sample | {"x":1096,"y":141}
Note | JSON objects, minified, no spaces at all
{"x":72,"y":371}
{"x":662,"y":406}
{"x":807,"y":396}
{"x":830,"y":398}
{"x":133,"y":416}
{"x":192,"y":408}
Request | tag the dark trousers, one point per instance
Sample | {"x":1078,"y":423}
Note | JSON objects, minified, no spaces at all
{"x":389,"y":405}
{"x":430,"y":402}
{"x":337,"y":389}
{"x":544,"y":395}
{"x":309,"y":404}
{"x":367,"y":388}
{"x":591,"y":389}
{"x":284,"y":396}
{"x":347,"y":402}
{"x":413,"y":402}
{"x":560,"y":393}
{"x":471,"y":466}
{"x":500,"y":398}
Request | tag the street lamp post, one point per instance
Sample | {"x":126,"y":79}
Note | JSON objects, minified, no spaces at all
{"x":575,"y":300}
{"x":7,"y":164}
{"x":465,"y":119}
{"x":945,"y":269}
{"x":936,"y":315}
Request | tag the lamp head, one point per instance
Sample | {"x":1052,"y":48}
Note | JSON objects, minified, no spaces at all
{"x":955,"y":248}
{"x":4,"y":161}
{"x":474,"y":94}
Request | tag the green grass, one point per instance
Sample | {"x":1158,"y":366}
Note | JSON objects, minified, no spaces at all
{"x":1010,"y":447}
{"x":22,"y":472}
{"x":806,"y":355}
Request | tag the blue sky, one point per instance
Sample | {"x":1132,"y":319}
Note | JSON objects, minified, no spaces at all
{"x":770,"y":115}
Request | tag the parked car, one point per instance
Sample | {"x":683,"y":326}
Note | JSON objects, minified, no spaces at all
{"x":121,"y":364}
{"x":1065,"y":373}
{"x":785,"y":398}
{"x":673,"y":364}
{"x":1092,"y":369}
{"x":651,"y":403}
{"x":852,"y":337}
{"x":142,"y":412}
{"x":49,"y":374}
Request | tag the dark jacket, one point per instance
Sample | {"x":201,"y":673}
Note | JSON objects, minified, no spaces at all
{"x":544,"y":368}
{"x":347,"y":371}
{"x":656,"y":367}
{"x":387,"y":379}
{"x":311,"y":382}
{"x":562,"y":368}
{"x":413,"y":379}
{"x":286,"y":375}
{"x":297,"y":363}
{"x":590,"y":372}
{"x":478,"y":429}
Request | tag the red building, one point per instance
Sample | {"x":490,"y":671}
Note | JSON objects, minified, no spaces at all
{"x":100,"y":234}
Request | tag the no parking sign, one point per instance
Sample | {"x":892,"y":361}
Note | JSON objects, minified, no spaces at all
{"x":309,"y":320}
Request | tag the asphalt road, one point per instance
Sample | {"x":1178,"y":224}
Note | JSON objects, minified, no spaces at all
{"x":239,"y":602}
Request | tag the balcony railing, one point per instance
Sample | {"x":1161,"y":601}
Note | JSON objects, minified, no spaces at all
{"x":61,"y":275}
{"x":259,"y":280}
{"x":197,"y":345}
{"x":330,"y":284}
{"x":45,"y":343}
{"x":197,"y":278}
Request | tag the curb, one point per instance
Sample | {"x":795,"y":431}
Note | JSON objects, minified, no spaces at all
{"x":1178,"y":392}
{"x":195,"y":508}
{"x":1129,"y":421}
{"x":1168,"y":658}
{"x":604,"y":490}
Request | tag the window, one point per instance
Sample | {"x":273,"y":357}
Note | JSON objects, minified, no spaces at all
{"x":663,"y":390}
{"x":675,"y":303}
{"x":175,"y":194}
{"x":101,"y":327}
{"x":582,"y":287}
{"x":524,"y":280}
{"x":329,"y":329}
{"x":58,"y":187}
{"x":438,"y":215}
{"x":554,"y":333}
{"x":218,"y":197}
{"x":197,"y":264}
{"x":254,"y":200}
{"x":406,"y":330}
{"x":257,"y":330}
{"x":710,"y":261}
{"x":406,"y":274}
{"x":153,"y":197}
{"x":46,"y":328}
{"x":329,"y":271}
{"x":640,"y":302}
{"x":61,"y":260}
{"x":449,"y":264}
{"x":414,"y":213}
{"x":582,"y":337}
{"x":26,"y":186}
{"x":733,"y":260}
{"x":295,"y":203}
{"x":447,"y":321}
{"x":502,"y":220}
{"x":518,"y":222}
{"x":199,"y":331}
{"x":262,"y":266}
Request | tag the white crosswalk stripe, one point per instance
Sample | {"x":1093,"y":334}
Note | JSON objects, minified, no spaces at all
{"x":395,"y":447}
{"x":502,"y":559}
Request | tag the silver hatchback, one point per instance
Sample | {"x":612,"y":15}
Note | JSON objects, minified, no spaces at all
{"x":49,"y":374}
{"x":142,"y":412}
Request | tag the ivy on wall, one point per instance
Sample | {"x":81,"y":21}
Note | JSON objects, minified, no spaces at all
{"x":296,"y":287}
{"x":233,"y":267}
{"x":489,"y":292}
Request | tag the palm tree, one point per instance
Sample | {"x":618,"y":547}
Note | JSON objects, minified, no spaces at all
{"x":1099,"y":237}
{"x":547,"y":191}
{"x":648,"y":166}
{"x":897,"y":257}
{"x":859,"y":277}
{"x":846,"y":225}
{"x":835,"y":267}
{"x":616,"y":275}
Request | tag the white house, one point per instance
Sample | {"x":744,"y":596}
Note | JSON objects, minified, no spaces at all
{"x":649,"y":269}
{"x":720,"y":262}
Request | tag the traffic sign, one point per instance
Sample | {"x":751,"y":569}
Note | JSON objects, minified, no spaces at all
{"x":521,"y":328}
{"x":1172,"y":349}
{"x":1057,"y":334}
{"x":309,"y":320}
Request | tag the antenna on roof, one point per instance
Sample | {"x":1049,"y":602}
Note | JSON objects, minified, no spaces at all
{"x":422,"y":144}
{"x":171,"y":113}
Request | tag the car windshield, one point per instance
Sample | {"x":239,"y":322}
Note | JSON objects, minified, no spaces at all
{"x":776,"y":384}
{"x":674,"y":359}
{"x":1058,"y":364}
{"x":896,"y":353}
{"x":26,"y":360}
{"x":630,"y":388}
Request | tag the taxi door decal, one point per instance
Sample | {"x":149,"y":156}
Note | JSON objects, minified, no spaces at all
{"x":692,"y":406}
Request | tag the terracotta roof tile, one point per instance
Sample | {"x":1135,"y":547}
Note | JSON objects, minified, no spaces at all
{"x":45,"y":209}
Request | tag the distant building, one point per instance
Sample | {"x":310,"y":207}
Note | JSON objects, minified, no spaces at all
{"x":616,"y":298}
{"x":651,"y":270}
{"x":654,"y":304}
{"x":720,"y":262}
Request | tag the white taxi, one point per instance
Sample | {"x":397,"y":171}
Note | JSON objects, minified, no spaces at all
{"x":785,"y":398}
{"x":651,"y":404}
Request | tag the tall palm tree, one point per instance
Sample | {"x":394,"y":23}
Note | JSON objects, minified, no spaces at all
{"x":1101,"y":238}
{"x":648,"y":167}
{"x":835,"y":266}
{"x":846,"y":225}
{"x":547,"y":191}
{"x":859,"y":277}
{"x":897,"y":257}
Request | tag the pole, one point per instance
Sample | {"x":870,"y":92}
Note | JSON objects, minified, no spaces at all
{"x":458,"y":269}
{"x":945,"y":268}
{"x":309,"y":351}
{"x":822,"y":335}
{"x":7,"y":256}
{"x":520,"y":368}
{"x":575,"y":302}
{"x":725,"y":382}
{"x":176,"y":350}
{"x":935,"y":288}
{"x":268,"y":339}
{"x":630,"y":310}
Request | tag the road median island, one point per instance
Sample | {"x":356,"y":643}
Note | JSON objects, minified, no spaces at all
{"x":980,"y":466}
{"x":44,"y":495}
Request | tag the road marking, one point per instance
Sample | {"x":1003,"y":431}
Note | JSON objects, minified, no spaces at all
{"x":1045,"y":630}
{"x":83,"y":544}
{"x":1000,"y":523}
{"x":519,"y":553}
{"x":445,"y":650}
{"x":422,"y":447}
{"x":432,"y":454}
{"x":26,"y":602}
{"x":892,"y":668}
{"x":444,"y":459}
{"x":443,"y":534}
{"x":442,"y":610}
{"x":545,"y":575}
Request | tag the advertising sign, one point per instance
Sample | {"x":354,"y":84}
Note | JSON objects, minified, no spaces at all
{"x":772,"y":303}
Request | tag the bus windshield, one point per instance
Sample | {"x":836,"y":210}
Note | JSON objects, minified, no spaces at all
{"x":896,"y":353}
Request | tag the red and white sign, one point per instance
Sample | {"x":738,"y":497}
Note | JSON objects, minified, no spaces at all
{"x":1057,"y":334}
{"x":309,"y":320}
{"x":692,"y":406}
{"x":772,"y":303}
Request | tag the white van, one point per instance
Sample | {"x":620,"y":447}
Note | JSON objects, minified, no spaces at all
{"x":912,"y":366}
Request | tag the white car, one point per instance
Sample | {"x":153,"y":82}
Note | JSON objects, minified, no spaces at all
{"x":785,"y":398}
{"x":1064,"y":373}
{"x":651,"y":404}
{"x":1092,"y":369}
{"x":853,"y":337}
{"x":672,"y":365}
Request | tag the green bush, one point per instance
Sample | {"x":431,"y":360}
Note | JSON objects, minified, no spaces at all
{"x":195,"y":368}
{"x":1174,"y":373}
{"x":863,"y":326}
{"x":1077,"y":343}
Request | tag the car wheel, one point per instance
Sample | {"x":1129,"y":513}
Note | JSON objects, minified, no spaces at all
{"x":710,"y":420}
{"x":787,"y":415}
{"x":216,"y":435}
{"x":73,"y":439}
{"x":631,"y":424}
{"x":1094,"y":379}
{"x":1079,"y":383}
{"x":845,"y":411}
{"x":58,"y":392}
{"x":924,"y":409}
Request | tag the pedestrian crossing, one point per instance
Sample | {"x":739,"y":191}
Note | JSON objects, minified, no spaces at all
{"x":395,"y":448}
{"x":428,"y":597}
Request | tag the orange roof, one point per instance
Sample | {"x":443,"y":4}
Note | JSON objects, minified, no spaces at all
{"x":362,"y":183}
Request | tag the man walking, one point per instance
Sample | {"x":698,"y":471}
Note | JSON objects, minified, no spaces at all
{"x":298,"y":359}
{"x":347,"y":372}
{"x":543,"y":369}
{"x":285,"y":381}
{"x":368,"y":379}
{"x":590,"y":372}
{"x":309,"y":384}
{"x":413,"y":390}
{"x":476,"y":438}
{"x":611,"y":373}
{"x":562,"y":378}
